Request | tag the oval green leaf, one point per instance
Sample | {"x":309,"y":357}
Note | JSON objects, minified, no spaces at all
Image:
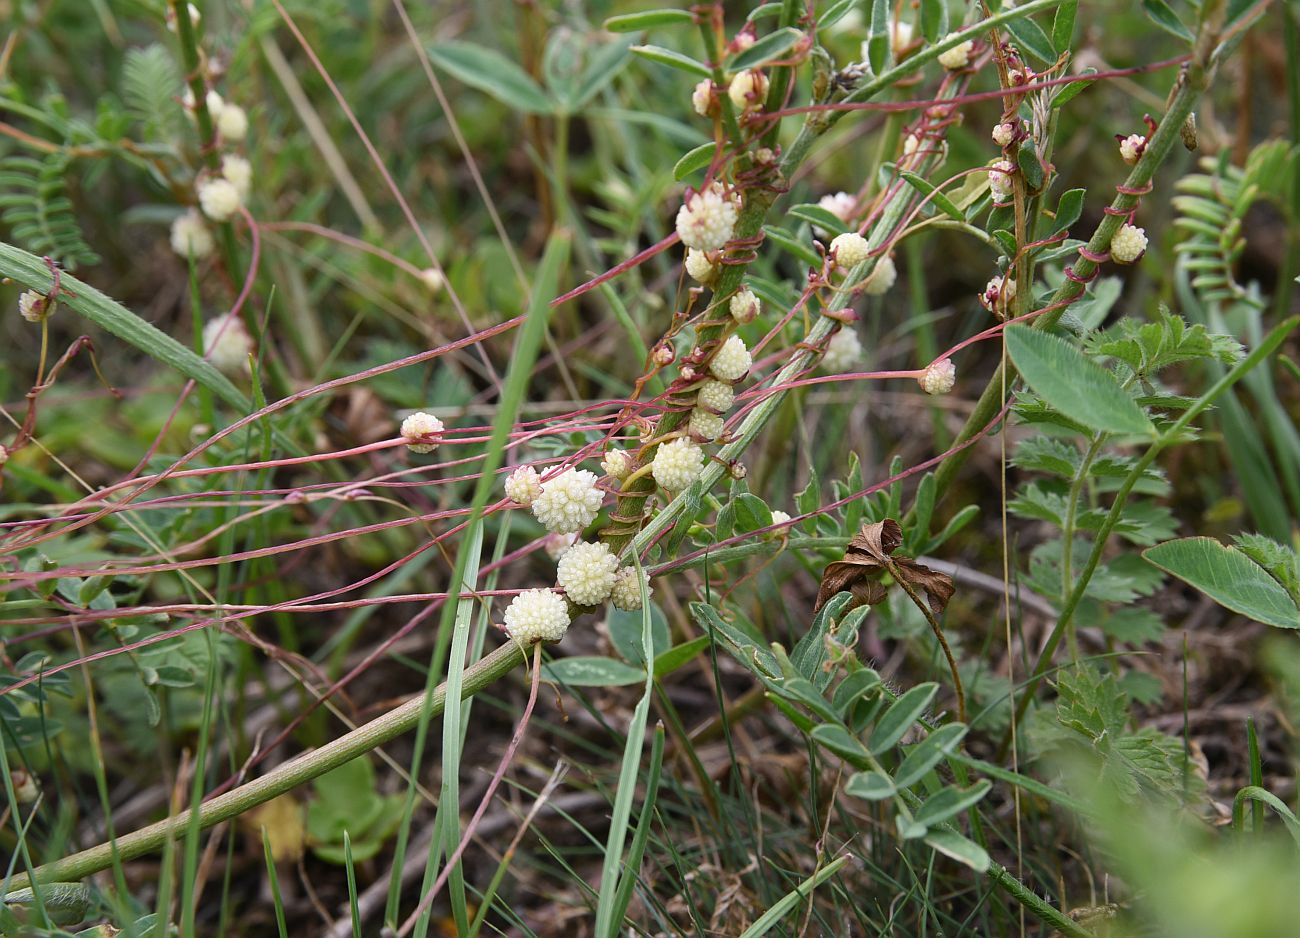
{"x":490,"y":71}
{"x":1073,"y":384}
{"x":673,"y":60}
{"x":648,"y":19}
{"x":1228,"y":577}
{"x":694,"y":160}
{"x":899,"y":718}
{"x":870,"y":786}
{"x":591,"y":671}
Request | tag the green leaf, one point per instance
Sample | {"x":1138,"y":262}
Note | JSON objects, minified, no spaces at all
{"x":840,"y":741}
{"x":1072,"y":383}
{"x":1160,"y":13}
{"x":878,"y":42}
{"x":796,"y":246}
{"x":1068,"y":209}
{"x":1228,"y":577}
{"x":941,"y":201}
{"x":673,"y":60}
{"x":1063,"y":26}
{"x":771,"y":46}
{"x":934,"y":19}
{"x":898,"y":719}
{"x":1031,"y":167}
{"x":648,"y":19}
{"x":602,"y":67}
{"x":959,"y":848}
{"x":669,"y":661}
{"x":1068,"y":92}
{"x":592,"y":671}
{"x":694,"y":160}
{"x":951,"y":801}
{"x":490,"y":71}
{"x":853,"y":688}
{"x":926,"y":754}
{"x":625,"y":633}
{"x":819,"y":218}
{"x":1030,"y":36}
{"x":870,"y":786}
{"x":834,"y":13}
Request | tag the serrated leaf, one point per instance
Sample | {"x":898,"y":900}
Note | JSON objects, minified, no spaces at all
{"x":673,"y":59}
{"x":1228,"y":577}
{"x":898,"y":719}
{"x":649,"y":19}
{"x":1072,"y":383}
{"x":771,"y":46}
{"x":870,"y":786}
{"x":694,"y":160}
{"x":592,"y":671}
{"x":491,"y":72}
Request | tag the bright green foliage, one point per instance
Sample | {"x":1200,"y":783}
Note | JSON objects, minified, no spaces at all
{"x":347,"y":802}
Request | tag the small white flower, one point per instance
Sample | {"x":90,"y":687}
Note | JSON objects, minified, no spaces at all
{"x":433,"y":279}
{"x":841,"y":205}
{"x":1128,"y":245}
{"x":958,"y":57}
{"x":232,"y":123}
{"x":213,"y":100}
{"x":882,"y":277}
{"x":704,"y":426}
{"x":911,"y":144}
{"x":731,"y":361}
{"x":700,"y":266}
{"x":617,"y":464}
{"x":744,"y":306}
{"x":1132,"y":147}
{"x":422,"y":432}
{"x":227,"y":344}
{"x":569,"y":502}
{"x":715,"y":396}
{"x":626,"y":594}
{"x":939,"y":377}
{"x":663,"y":355}
{"x":219,"y":198}
{"x":702,"y":97}
{"x":190,"y":236}
{"x":849,"y":249}
{"x":998,"y":294}
{"x":537,"y":615}
{"x":1000,"y":180}
{"x":556,"y":544}
{"x":239,"y":171}
{"x":706,"y":219}
{"x":523,"y":486}
{"x":33,"y":306}
{"x":1004,"y":133}
{"x":843,"y":353}
{"x":586,"y":573}
{"x":748,"y":89}
{"x":780,"y":517}
{"x":677,"y":464}
{"x":764,"y":155}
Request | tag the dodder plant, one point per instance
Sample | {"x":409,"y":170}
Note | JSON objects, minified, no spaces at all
{"x":651,"y":501}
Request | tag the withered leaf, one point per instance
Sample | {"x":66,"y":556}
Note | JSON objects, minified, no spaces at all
{"x":867,"y":558}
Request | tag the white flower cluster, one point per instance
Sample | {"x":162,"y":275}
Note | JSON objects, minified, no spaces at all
{"x":715,"y":396}
{"x":586,"y":572}
{"x":701,"y":266}
{"x":1000,"y":180}
{"x":843,"y":353}
{"x":523,"y":486}
{"x":568,"y":502}
{"x":882,"y":277}
{"x":841,"y":205}
{"x":744,"y":306}
{"x":626,"y":594}
{"x":998,"y":294}
{"x":422,"y":432}
{"x":219,"y":198}
{"x":849,"y":250}
{"x":747,"y":90}
{"x":1132,"y":147}
{"x":959,"y":56}
{"x":617,"y":464}
{"x":677,"y":464}
{"x":707,"y":219}
{"x":537,"y":616}
{"x":702,"y":98}
{"x":1128,"y":245}
{"x":1004,"y":133}
{"x":704,"y":426}
{"x":33,"y":306}
{"x":939,"y":377}
{"x":190,"y":237}
{"x":731,"y":361}
{"x":227,"y":344}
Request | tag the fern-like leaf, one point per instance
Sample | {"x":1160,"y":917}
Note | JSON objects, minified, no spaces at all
{"x":34,"y":205}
